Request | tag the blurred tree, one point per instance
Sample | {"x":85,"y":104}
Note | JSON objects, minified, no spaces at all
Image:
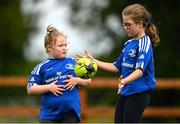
{"x":102,"y":15}
{"x":15,"y":29}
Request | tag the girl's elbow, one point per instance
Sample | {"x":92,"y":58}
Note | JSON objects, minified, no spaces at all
{"x":114,"y":69}
{"x":29,"y":91}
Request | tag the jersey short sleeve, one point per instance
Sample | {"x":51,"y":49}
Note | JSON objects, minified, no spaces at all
{"x":118,"y":61}
{"x":144,"y":53}
{"x":35,"y":76}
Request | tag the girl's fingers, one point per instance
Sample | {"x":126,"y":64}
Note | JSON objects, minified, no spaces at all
{"x":120,"y":78}
{"x":54,"y":82}
{"x":60,"y":86}
{"x":65,"y":81}
{"x":60,"y":89}
{"x":120,"y":87}
{"x":58,"y":92}
{"x":119,"y":90}
{"x":55,"y":94}
{"x":72,"y":88}
{"x":79,"y":56}
{"x":86,"y":52}
{"x":68,"y":87}
{"x":68,"y":76}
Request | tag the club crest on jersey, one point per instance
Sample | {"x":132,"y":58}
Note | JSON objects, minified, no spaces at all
{"x":32,"y":79}
{"x":132,"y":52}
{"x":69,"y":66}
{"x":141,"y":57}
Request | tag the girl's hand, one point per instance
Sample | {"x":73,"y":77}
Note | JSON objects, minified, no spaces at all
{"x":56,"y":89}
{"x":86,"y":55}
{"x":71,"y":82}
{"x":120,"y":84}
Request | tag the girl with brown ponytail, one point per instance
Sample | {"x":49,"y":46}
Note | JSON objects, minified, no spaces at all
{"x":135,"y":64}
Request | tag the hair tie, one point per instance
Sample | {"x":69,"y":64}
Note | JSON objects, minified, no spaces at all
{"x":149,"y":20}
{"x":49,"y":29}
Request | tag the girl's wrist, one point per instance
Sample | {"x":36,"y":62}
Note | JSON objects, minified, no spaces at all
{"x":122,"y":82}
{"x":49,"y":87}
{"x":77,"y":80}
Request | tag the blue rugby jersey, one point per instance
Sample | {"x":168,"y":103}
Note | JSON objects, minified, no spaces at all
{"x":52,"y":107}
{"x":137,"y":54}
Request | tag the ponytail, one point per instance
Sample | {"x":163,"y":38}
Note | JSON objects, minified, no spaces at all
{"x":151,"y":30}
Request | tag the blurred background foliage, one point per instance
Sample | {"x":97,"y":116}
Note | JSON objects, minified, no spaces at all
{"x":15,"y":30}
{"x":17,"y":27}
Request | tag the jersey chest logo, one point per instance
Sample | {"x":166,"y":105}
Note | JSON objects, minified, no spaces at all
{"x":69,"y":66}
{"x":132,"y":52}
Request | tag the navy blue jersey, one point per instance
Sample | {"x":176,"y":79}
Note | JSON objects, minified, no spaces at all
{"x":137,"y":54}
{"x":52,"y":107}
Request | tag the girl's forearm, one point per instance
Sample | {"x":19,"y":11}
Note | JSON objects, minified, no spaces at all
{"x":38,"y":89}
{"x":106,"y":66}
{"x":84,"y":82}
{"x":132,"y":77}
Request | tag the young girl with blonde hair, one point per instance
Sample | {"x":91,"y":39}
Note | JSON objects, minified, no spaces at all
{"x":55,"y":80}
